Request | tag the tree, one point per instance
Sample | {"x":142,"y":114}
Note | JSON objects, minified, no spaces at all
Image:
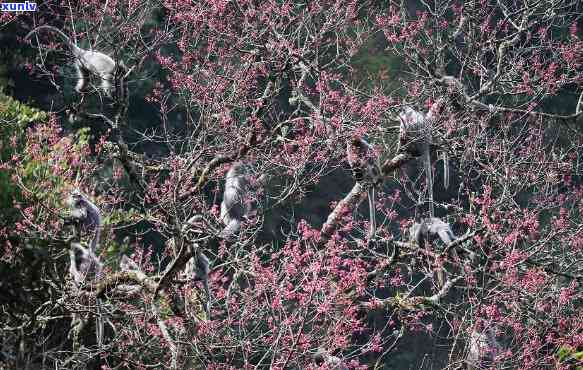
{"x":278,"y":86}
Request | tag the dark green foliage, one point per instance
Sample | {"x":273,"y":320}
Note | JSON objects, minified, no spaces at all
{"x":14,"y":118}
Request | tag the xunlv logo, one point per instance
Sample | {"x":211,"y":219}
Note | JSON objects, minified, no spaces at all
{"x":18,"y":7}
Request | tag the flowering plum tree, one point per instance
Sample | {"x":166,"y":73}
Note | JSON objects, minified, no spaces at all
{"x":282,"y":86}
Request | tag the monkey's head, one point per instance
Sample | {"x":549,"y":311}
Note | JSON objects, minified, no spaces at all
{"x":76,"y":197}
{"x":358,"y":149}
{"x":358,"y":142}
{"x":411,"y":119}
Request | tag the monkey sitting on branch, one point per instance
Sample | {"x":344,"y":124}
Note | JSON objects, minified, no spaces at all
{"x":194,"y":263}
{"x":483,"y":349}
{"x":322,"y":357}
{"x":363,"y":164}
{"x":429,"y":229}
{"x":86,"y":216}
{"x":416,"y":138}
{"x":238,"y":199}
{"x":426,"y":231}
{"x":198,"y":269}
{"x":128,"y":290}
{"x":85,"y":267}
{"x":84,"y":262}
{"x":88,"y":61}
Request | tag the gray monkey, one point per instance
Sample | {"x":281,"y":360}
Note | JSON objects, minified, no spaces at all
{"x":84,"y":260}
{"x":362,"y":161}
{"x":87,"y":216}
{"x":416,"y":138}
{"x":198,"y":268}
{"x":87,"y":61}
{"x":483,"y":348}
{"x":236,"y":205}
{"x":333,"y":362}
{"x":85,"y":264}
{"x":127,"y":264}
{"x":428,"y":230}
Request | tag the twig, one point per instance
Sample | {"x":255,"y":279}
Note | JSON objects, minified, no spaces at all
{"x":239,"y":153}
{"x":351,"y":200}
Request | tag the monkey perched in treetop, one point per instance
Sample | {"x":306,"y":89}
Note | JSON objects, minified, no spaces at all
{"x":362,"y":160}
{"x":87,"y":61}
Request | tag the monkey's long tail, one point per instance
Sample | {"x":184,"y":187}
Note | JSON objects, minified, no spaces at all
{"x":202,"y":273}
{"x":372,"y":212}
{"x":74,"y":49}
{"x":429,"y":177}
{"x":99,"y":324}
{"x":440,"y":278}
{"x":209,"y":297}
{"x":445,"y":170}
{"x":98,"y":303}
{"x":95,"y":240}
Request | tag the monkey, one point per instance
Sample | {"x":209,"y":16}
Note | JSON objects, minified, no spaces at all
{"x":86,"y":215}
{"x":483,"y":348}
{"x":198,"y":266}
{"x":127,"y":264}
{"x":87,"y":61}
{"x":198,"y":269}
{"x":85,"y":263}
{"x":362,"y":161}
{"x":235,"y":206}
{"x":416,"y":138}
{"x":333,"y":362}
{"x":428,"y":230}
{"x":430,"y":116}
{"x":83,"y":260}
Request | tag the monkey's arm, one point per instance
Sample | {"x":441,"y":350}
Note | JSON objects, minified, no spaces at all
{"x":199,"y":268}
{"x":79,"y":213}
{"x":445,"y":235}
{"x":81,"y":77}
{"x":232,"y":227}
{"x":417,"y":234}
{"x":127,"y":264}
